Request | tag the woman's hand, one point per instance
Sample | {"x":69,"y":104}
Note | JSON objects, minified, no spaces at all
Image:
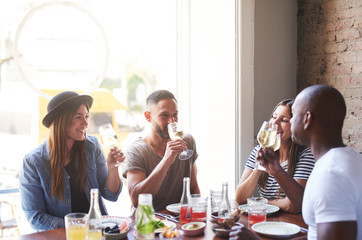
{"x":269,"y":160}
{"x":115,"y":156}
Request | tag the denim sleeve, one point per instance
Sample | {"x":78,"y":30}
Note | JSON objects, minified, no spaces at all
{"x":102,"y":173}
{"x":33,"y":199}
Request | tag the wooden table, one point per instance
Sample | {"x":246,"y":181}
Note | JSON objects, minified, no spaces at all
{"x":59,"y":234}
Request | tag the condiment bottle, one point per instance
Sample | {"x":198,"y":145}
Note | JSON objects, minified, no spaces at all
{"x":224,"y":208}
{"x":145,"y":215}
{"x":185,"y":202}
{"x":95,"y":217}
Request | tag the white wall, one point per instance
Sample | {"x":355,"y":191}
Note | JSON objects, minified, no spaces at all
{"x":212,"y":91}
{"x":212,"y":78}
{"x":275,"y":55}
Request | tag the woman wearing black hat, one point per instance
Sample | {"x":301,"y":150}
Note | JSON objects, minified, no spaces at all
{"x":56,"y":177}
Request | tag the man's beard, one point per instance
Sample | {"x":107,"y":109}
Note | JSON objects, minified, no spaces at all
{"x":163,"y":133}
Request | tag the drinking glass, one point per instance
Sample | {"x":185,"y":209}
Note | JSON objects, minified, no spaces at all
{"x":257,"y":209}
{"x":76,"y":226}
{"x":268,"y":137}
{"x":175,"y":133}
{"x":198,"y":207}
{"x":109,"y":137}
{"x":215,"y":199}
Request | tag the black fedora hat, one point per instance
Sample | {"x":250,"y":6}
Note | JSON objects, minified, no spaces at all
{"x":61,"y":102}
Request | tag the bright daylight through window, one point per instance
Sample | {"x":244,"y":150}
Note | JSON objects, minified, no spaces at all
{"x":119,"y":52}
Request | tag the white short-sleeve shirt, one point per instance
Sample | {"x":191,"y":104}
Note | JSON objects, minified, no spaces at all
{"x":334,"y":190}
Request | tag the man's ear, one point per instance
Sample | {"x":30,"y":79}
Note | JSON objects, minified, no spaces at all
{"x":147,"y":115}
{"x":307,"y":120}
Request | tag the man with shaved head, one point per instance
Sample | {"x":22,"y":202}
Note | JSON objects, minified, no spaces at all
{"x":332,"y":202}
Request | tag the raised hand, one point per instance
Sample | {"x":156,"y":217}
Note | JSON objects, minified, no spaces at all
{"x":115,"y":157}
{"x":269,"y":160}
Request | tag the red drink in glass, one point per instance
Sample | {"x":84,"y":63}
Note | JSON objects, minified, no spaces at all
{"x":256,"y":217}
{"x":198,"y":216}
{"x":185,"y":214}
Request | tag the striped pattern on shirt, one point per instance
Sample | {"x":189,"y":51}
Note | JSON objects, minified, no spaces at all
{"x":303,"y":169}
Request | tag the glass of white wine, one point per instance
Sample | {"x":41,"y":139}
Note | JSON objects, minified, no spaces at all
{"x":109,"y":137}
{"x":268,"y":137}
{"x":175,"y":133}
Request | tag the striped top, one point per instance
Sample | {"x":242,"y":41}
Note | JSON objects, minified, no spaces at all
{"x":305,"y":164}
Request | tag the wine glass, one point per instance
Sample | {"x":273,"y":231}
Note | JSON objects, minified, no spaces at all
{"x":109,"y":137}
{"x":268,"y":137}
{"x":175,"y":133}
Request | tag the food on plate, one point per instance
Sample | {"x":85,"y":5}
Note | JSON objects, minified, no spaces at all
{"x":192,"y":226}
{"x":170,"y":233}
{"x":158,"y":224}
{"x":122,"y":227}
{"x":227,"y":223}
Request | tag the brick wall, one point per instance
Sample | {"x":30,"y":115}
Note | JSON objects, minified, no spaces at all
{"x":330,"y":52}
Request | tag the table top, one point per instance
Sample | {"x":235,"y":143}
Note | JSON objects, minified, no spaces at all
{"x":59,"y":234}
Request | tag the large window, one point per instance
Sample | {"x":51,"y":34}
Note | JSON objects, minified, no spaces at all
{"x":179,"y":45}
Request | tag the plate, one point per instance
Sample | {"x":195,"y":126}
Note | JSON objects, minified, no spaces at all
{"x":193,"y":228}
{"x":169,"y":226}
{"x":269,"y":208}
{"x":110,"y":221}
{"x":174,"y":208}
{"x":276,"y":229}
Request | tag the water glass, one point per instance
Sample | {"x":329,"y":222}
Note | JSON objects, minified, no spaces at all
{"x":215,"y":199}
{"x":257,"y":209}
{"x":199,"y":207}
{"x":76,"y":226}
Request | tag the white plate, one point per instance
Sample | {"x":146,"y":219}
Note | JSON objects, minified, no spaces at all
{"x":110,"y":221}
{"x":174,"y":208}
{"x":276,"y":229}
{"x":169,"y":226}
{"x":269,"y":208}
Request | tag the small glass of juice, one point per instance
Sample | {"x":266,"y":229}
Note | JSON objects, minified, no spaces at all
{"x":257,"y":210}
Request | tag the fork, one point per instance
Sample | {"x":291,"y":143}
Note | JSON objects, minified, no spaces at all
{"x":167,"y":216}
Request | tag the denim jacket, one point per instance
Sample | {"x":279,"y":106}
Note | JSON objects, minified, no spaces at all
{"x":44,"y":212}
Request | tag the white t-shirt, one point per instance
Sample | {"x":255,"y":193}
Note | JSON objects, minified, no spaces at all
{"x":334,"y":190}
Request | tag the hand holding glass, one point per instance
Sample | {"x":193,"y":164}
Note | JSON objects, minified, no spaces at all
{"x":175,"y":133}
{"x":109,"y":137}
{"x":268,"y":137}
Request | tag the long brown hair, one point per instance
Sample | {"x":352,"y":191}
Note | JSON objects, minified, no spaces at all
{"x":294,"y":149}
{"x":58,"y":150}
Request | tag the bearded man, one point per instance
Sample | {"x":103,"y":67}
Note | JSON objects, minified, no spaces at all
{"x":153,"y":165}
